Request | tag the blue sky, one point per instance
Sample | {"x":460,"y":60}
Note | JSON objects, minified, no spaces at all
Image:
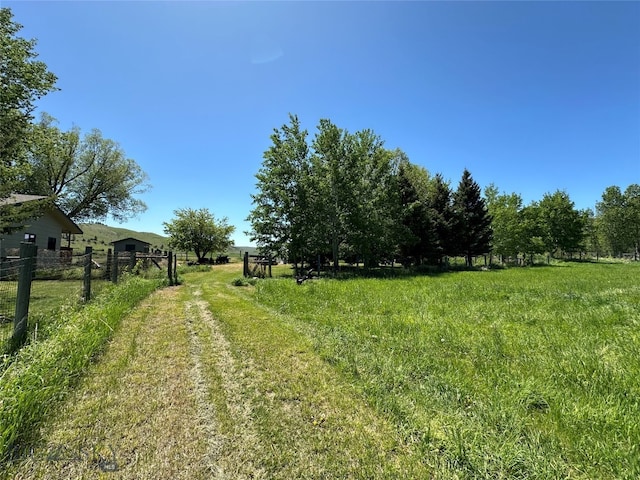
{"x":532,"y":96}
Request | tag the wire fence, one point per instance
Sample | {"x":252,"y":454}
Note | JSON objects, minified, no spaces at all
{"x":9,"y":271}
{"x":35,"y":287}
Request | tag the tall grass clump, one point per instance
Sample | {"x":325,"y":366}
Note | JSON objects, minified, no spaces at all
{"x":41,"y":373}
{"x":515,"y":373}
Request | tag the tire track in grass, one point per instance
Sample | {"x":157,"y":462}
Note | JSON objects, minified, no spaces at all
{"x":228,"y":449}
{"x":137,"y":413}
{"x":309,"y":421}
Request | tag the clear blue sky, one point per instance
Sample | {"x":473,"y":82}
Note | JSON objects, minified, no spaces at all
{"x":534,"y":96}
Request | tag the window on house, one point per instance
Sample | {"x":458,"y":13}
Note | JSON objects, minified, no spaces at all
{"x":30,"y":237}
{"x":51,"y":243}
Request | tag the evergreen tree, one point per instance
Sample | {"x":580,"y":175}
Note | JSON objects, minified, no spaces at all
{"x":440,"y":206}
{"x":418,"y":240}
{"x":472,"y":222}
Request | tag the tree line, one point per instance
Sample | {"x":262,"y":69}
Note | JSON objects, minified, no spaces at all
{"x":343,"y":196}
{"x":88,"y":176}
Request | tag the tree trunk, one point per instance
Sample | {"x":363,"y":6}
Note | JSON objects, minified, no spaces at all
{"x":335,"y":255}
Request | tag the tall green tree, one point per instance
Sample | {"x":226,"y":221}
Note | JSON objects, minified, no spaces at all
{"x":506,"y":222}
{"x":418,"y":239}
{"x":619,"y":214}
{"x":592,"y":232}
{"x":563,"y":224}
{"x":198,"y":231}
{"x":334,"y":176}
{"x":440,"y":205}
{"x":632,"y":202}
{"x":533,"y":231}
{"x":472,"y":222}
{"x":371,"y":209}
{"x":23,"y":80}
{"x":611,"y":212}
{"x":91,"y":177}
{"x":282,"y":218}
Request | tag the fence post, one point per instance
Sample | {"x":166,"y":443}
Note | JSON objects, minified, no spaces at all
{"x":245,"y":270}
{"x":109,"y":264}
{"x":86,"y":279}
{"x":28,"y":252}
{"x":114,"y":270}
{"x":132,"y":260}
{"x":170,"y":268}
{"x":175,"y":269}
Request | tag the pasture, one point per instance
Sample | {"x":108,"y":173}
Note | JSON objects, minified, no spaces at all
{"x":518,"y":373}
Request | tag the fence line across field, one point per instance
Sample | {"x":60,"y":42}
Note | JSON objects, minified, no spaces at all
{"x":18,"y":274}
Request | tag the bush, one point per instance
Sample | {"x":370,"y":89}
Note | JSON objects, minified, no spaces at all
{"x":243,"y":282}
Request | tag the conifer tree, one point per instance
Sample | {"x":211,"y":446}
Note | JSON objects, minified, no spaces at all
{"x":441,"y":213}
{"x":419,"y":239}
{"x":472,"y":222}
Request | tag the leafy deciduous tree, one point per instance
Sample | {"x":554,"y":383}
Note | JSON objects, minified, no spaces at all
{"x":562,"y":224}
{"x":371,"y":216}
{"x":619,"y":215}
{"x":280,"y":218}
{"x":532,"y":230}
{"x":90,"y":177}
{"x":506,"y":222}
{"x":198,"y":231}
{"x":333,"y":184}
{"x":23,"y":80}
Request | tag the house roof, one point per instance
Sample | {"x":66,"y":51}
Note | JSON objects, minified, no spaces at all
{"x":130,"y":238}
{"x":67,"y":225}
{"x":18,"y":198}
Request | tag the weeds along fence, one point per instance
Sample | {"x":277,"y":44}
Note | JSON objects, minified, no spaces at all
{"x":37,"y":284}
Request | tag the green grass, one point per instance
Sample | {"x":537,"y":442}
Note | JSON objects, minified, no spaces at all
{"x":518,"y":373}
{"x":42,"y":372}
{"x":514,"y":373}
{"x":49,"y":302}
{"x":282,"y":412}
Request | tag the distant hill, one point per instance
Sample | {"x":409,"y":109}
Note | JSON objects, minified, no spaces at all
{"x":99,"y":236}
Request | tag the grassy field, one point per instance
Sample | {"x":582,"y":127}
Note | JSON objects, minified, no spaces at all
{"x":520,"y":373}
{"x":517,"y":373}
{"x":48,"y":299}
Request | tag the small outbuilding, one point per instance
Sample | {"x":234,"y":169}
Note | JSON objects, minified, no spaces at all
{"x":46,"y":230}
{"x":130,"y":245}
